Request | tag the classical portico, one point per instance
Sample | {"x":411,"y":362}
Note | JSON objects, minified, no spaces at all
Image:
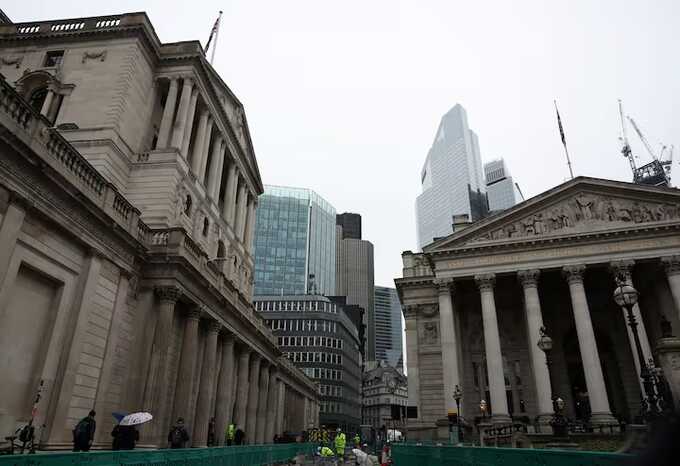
{"x":474,"y":303}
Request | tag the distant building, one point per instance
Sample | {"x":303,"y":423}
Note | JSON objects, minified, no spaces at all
{"x":354,"y":279}
{"x":452,"y":179}
{"x":388,"y":335}
{"x":294,"y":243}
{"x":385,"y":397}
{"x":321,"y":336}
{"x":501,"y":190}
{"x":351,"y":225}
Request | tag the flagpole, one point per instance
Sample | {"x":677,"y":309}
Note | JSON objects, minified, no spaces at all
{"x":564,"y":141}
{"x":217,"y":33}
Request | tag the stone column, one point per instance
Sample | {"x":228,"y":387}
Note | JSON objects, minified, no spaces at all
{"x":280,"y":407}
{"x":47,"y":104}
{"x":534,"y":318}
{"x":672,"y":266}
{"x":270,"y":412}
{"x":250,"y":224}
{"x":229,"y":201}
{"x":449,"y":343}
{"x":178,"y":128}
{"x":199,"y":142}
{"x":203,"y":414}
{"x":168,"y":113}
{"x":206,"y":150}
{"x":167,"y":299}
{"x":253,"y":397}
{"x":241,"y":209}
{"x":411,"y":325}
{"x":492,"y":346}
{"x":225,"y":393}
{"x":242,"y":389}
{"x":9,"y":233}
{"x":622,"y":269}
{"x":597,"y":393}
{"x":187,"y":366}
{"x":189,"y":126}
{"x":262,"y":405}
{"x":215,"y":171}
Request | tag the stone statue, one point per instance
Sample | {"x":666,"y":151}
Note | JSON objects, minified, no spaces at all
{"x":430,"y":333}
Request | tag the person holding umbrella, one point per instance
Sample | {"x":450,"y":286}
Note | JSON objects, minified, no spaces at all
{"x":125,"y":434}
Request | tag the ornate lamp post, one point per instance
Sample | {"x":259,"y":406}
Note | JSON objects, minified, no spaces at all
{"x":626,"y":297}
{"x":457,"y":395}
{"x":558,"y":422}
{"x":482,"y":408}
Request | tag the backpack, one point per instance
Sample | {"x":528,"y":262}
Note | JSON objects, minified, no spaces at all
{"x":176,"y":437}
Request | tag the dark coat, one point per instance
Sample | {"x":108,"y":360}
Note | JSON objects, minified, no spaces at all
{"x":124,"y":437}
{"x":239,"y":437}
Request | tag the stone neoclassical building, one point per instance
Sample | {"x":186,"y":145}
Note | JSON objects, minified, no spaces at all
{"x":474,"y":303}
{"x":128,"y":187}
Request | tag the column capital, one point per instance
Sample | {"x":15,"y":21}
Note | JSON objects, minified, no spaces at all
{"x":485,"y":282}
{"x":410,"y":311}
{"x":228,"y":337}
{"x":444,"y":285}
{"x":168,"y":294}
{"x":194,"y":313}
{"x":671,"y":264}
{"x":188,"y":80}
{"x":622,"y":269}
{"x":213,"y":326}
{"x":574,"y":273}
{"x":529,"y":278}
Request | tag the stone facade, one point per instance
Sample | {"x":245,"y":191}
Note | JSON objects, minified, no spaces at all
{"x":384,"y":387}
{"x":474,"y":303}
{"x":128,"y":187}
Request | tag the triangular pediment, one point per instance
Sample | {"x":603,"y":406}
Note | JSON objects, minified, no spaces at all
{"x":577,"y":207}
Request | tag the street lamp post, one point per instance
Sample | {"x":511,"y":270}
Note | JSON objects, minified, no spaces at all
{"x":482,"y":408}
{"x":558,"y":422}
{"x":457,"y":395}
{"x":626,"y":297}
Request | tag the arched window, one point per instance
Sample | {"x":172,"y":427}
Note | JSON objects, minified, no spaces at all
{"x":187,"y":205}
{"x":206,"y":226}
{"x":221,"y":251}
{"x":37,"y":98}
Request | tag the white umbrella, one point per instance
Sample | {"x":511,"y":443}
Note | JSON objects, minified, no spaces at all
{"x":135,"y":419}
{"x":362,"y":458}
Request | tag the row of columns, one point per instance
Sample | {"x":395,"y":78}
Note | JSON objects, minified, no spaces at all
{"x":176,"y":130}
{"x":250,"y":400}
{"x":600,"y":409}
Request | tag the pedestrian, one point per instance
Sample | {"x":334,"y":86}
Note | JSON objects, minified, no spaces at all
{"x":239,"y":436}
{"x":340,"y":443}
{"x":211,"y":432}
{"x":231,"y":429}
{"x":124,"y":437}
{"x":83,"y":432}
{"x":178,"y":435}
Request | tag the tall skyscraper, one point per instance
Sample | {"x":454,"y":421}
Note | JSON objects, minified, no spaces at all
{"x":501,"y":190}
{"x":294,"y":243}
{"x":451,"y":178}
{"x":354,"y":279}
{"x":351,"y":225}
{"x":389,"y":345}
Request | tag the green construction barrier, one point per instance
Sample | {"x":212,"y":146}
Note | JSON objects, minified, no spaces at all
{"x":246,"y":455}
{"x":428,"y":455}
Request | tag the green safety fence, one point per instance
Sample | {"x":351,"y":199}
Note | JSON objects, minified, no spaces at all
{"x":428,"y":455}
{"x":246,"y":455}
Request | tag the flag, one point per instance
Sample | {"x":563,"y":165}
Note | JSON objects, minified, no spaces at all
{"x":559,"y":124}
{"x":213,"y":32}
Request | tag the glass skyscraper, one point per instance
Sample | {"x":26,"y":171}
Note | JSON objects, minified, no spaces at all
{"x":452,"y":179}
{"x":388,"y":335}
{"x":294,"y":243}
{"x":501,"y":190}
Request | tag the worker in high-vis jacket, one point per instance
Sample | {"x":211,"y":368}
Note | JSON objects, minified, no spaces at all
{"x":340,"y":442}
{"x":231,"y":430}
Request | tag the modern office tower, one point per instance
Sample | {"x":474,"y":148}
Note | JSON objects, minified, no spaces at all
{"x":294,"y":243}
{"x":388,"y":335}
{"x":351,"y":225}
{"x":452,"y":180}
{"x":354,"y":279}
{"x":501,"y":190}
{"x":321,"y":336}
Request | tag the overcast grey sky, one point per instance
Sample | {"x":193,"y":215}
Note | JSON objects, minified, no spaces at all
{"x":344,"y":97}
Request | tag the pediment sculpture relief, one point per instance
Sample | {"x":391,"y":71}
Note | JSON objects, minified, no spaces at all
{"x":584,"y":211}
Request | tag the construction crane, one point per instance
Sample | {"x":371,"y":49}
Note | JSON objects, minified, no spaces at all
{"x":657,"y":172}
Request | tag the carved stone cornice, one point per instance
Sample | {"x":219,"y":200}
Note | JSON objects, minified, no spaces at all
{"x":485,"y":282}
{"x":168,"y":294}
{"x":529,"y":278}
{"x":574,"y":273}
{"x":671,"y":264}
